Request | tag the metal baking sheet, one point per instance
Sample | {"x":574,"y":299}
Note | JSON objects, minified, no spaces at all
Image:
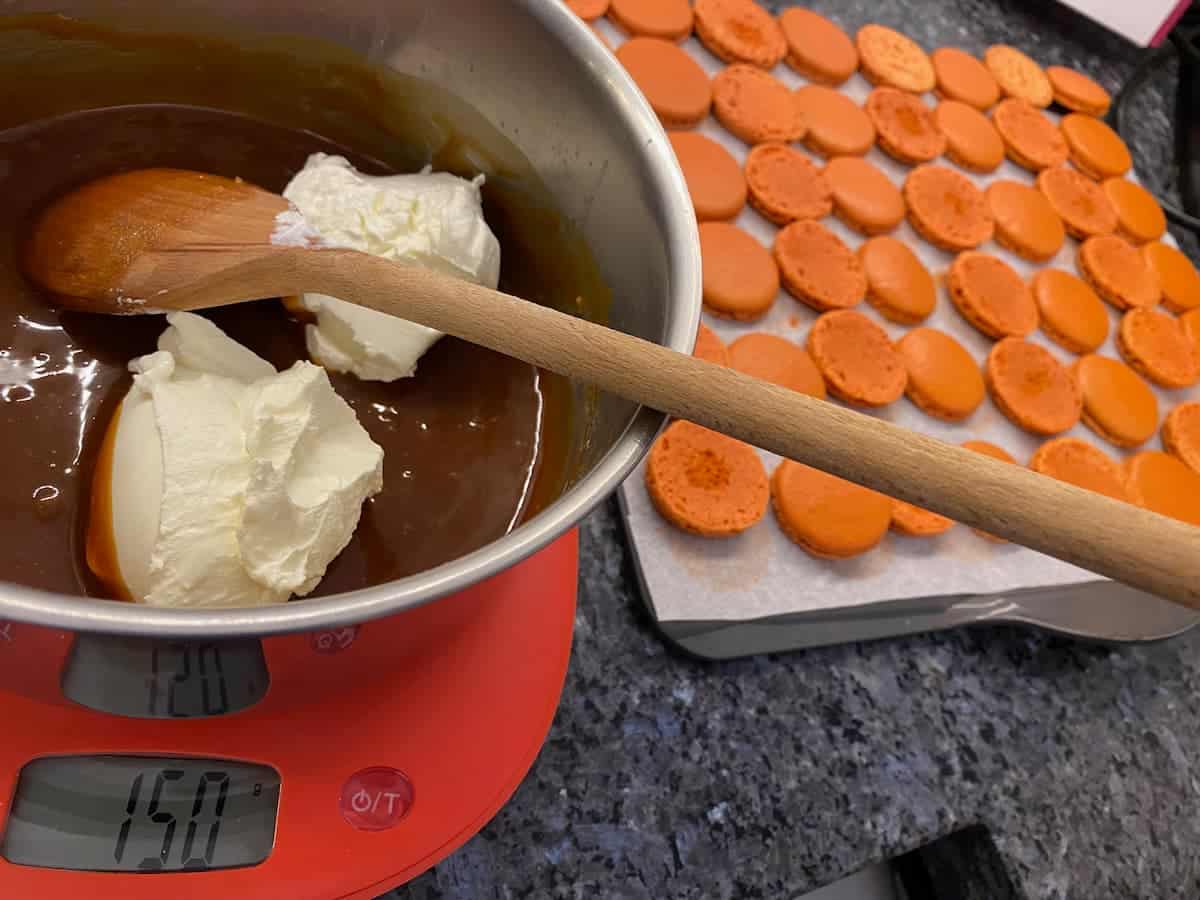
{"x":758,"y":592}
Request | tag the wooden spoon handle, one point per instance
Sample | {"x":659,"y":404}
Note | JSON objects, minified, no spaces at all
{"x":1116,"y":539}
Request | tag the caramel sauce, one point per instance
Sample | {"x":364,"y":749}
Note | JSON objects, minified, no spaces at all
{"x":474,"y":444}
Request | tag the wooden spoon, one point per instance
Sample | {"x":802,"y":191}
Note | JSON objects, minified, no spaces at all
{"x":164,"y":239}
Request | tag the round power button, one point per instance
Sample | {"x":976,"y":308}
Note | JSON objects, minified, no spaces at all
{"x":376,"y":799}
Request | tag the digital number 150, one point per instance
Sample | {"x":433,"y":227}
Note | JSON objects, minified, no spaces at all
{"x":211,"y":792}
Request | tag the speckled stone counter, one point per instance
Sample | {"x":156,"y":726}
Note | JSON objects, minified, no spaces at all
{"x":668,"y":778}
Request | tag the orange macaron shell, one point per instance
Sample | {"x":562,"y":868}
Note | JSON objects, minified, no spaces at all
{"x":817,"y":48}
{"x":991,"y":296}
{"x":709,"y":347}
{"x":784,"y":185}
{"x":1026,"y":222}
{"x":944,"y":381}
{"x":1117,"y":404}
{"x":588,"y":9}
{"x":905,"y":127}
{"x":972,"y":142}
{"x":740,"y":277}
{"x":1079,"y":201}
{"x":1155,"y":345}
{"x":1181,"y":434}
{"x":739,"y":31}
{"x":1032,"y":388}
{"x":667,"y":19}
{"x":913,"y":521}
{"x":1031,"y":140}
{"x":826,"y":516}
{"x":1069,"y":312}
{"x":898,"y":284}
{"x":887,"y":57}
{"x":1139,"y":216}
{"x":1161,"y":483}
{"x":947,"y":209}
{"x":860,"y":364}
{"x":714,"y":178}
{"x":962,"y":77}
{"x":817,"y":268}
{"x":1095,"y":149}
{"x":673,"y":83}
{"x":1118,"y":272}
{"x":1018,"y":75}
{"x":756,"y":107}
{"x":864,"y":198}
{"x":837,"y":126}
{"x":1077,"y":462}
{"x":777,"y":360}
{"x":1077,"y":92}
{"x":1190,"y":323}
{"x":1177,"y":277}
{"x":704,"y":482}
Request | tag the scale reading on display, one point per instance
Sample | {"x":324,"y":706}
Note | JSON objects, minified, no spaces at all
{"x":339,"y":763}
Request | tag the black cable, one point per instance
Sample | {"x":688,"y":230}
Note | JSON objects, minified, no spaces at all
{"x":1151,"y":64}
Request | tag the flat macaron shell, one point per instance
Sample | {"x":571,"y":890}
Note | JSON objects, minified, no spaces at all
{"x":904,"y":126}
{"x":714,"y":178}
{"x":667,"y":19}
{"x":837,"y":126}
{"x":777,"y":360}
{"x":1139,"y":216}
{"x":1030,"y":139}
{"x":962,"y":77}
{"x":673,"y":83}
{"x":1177,"y":277}
{"x":1075,"y":91}
{"x":916,"y":522}
{"x":1018,"y":75}
{"x":947,"y":209}
{"x":825,"y":515}
{"x":1069,"y":311}
{"x":991,"y":296}
{"x":858,"y":360}
{"x":1181,"y":434}
{"x":1026,"y":222}
{"x":898,"y":284}
{"x":972,"y":142}
{"x":705,"y":482}
{"x":1032,"y":388}
{"x":1079,"y":463}
{"x":1096,"y":149}
{"x":785,"y":185}
{"x":709,"y":347}
{"x":864,"y":198}
{"x":1159,"y":482}
{"x":943,"y":379}
{"x":1157,"y":347}
{"x":1081,"y":203}
{"x":817,"y":48}
{"x":739,"y":31}
{"x":755,"y":106}
{"x":817,"y":268}
{"x":1117,"y":404}
{"x":740,"y":277}
{"x":890,"y":58}
{"x":1118,"y":272}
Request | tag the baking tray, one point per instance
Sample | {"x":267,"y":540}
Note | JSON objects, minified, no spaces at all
{"x":1089,"y":609}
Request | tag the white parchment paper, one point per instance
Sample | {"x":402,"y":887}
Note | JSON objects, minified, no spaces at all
{"x":762,"y":573}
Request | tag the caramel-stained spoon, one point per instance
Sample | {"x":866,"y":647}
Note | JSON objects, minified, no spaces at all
{"x":164,"y":239}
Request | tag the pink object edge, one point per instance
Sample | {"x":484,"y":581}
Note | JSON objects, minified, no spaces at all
{"x":1166,"y":26}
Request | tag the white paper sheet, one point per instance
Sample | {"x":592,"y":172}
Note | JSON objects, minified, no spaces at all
{"x":762,"y":573}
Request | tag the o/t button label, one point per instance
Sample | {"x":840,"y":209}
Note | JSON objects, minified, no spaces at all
{"x":375,"y":799}
{"x":334,"y":641}
{"x":6,"y":633}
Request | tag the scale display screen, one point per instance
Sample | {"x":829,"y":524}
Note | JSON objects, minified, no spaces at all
{"x":141,"y":814}
{"x":171,"y":680}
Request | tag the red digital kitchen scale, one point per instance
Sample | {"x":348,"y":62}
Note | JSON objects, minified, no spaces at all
{"x":331,"y":765}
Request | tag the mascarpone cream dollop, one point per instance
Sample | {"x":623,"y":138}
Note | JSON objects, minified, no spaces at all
{"x":232,"y":484}
{"x":431,"y":219}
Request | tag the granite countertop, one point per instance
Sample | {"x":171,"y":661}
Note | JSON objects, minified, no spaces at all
{"x":664,"y":777}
